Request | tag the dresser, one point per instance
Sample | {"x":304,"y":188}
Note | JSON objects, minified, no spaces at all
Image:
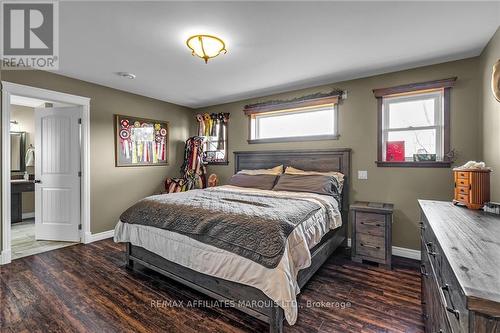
{"x":472,"y":187}
{"x":371,"y":232}
{"x":460,"y":268}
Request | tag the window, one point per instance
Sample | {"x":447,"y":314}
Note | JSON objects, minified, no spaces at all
{"x":307,"y":122}
{"x":307,"y":119}
{"x":212,"y":127}
{"x":414,"y":125}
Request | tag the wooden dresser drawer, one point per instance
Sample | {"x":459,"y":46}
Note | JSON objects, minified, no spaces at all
{"x":462,"y":175}
{"x":437,"y":318}
{"x":463,"y":182}
{"x":455,"y":302}
{"x":370,"y":246}
{"x":462,"y":198}
{"x":370,"y":227}
{"x":462,"y":190}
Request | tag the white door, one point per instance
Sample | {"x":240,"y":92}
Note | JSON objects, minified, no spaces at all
{"x":57,"y":179}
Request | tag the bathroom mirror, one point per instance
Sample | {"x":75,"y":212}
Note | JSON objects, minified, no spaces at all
{"x":17,"y":151}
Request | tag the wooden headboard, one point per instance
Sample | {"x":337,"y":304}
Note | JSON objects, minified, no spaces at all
{"x":338,"y":159}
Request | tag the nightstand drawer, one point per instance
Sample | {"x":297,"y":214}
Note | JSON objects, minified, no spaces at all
{"x":370,"y":246}
{"x":370,"y":218}
{"x":462,"y":175}
{"x":370,"y":226}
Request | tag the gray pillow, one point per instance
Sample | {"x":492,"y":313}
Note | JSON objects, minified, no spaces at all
{"x":327,"y":185}
{"x":262,"y":182}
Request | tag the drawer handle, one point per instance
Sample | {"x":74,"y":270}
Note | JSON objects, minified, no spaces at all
{"x":377,"y":225}
{"x":371,"y":246}
{"x":454,"y":311}
{"x":429,"y":249}
{"x":422,"y":226}
{"x":423,"y":270}
{"x":37,"y":181}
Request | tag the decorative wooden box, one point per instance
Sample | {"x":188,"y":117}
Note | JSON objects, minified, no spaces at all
{"x":472,"y":187}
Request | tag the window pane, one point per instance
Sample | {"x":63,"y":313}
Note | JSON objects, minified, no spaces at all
{"x":419,"y":141}
{"x":315,"y":122}
{"x":414,"y":113}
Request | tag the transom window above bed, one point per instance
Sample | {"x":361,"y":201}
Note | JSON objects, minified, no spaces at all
{"x":308,"y":118}
{"x":414,"y":124}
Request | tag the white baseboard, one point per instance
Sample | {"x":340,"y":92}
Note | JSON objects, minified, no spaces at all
{"x":28,"y":215}
{"x":400,"y":251}
{"x":5,"y":257}
{"x":90,"y":238}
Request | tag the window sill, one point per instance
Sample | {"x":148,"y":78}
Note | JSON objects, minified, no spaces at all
{"x":428,"y":164}
{"x":295,"y":139}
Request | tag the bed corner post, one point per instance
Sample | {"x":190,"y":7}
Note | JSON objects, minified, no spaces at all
{"x":129,"y":263}
{"x":276,"y":319}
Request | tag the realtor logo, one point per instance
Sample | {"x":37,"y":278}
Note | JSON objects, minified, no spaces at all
{"x":30,"y":35}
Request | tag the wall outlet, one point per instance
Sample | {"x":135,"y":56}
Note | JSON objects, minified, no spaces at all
{"x":362,"y":174}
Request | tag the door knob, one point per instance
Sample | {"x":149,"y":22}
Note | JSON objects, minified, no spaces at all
{"x":37,"y":181}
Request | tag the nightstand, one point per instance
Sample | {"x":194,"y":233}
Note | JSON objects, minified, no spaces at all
{"x":371,"y":232}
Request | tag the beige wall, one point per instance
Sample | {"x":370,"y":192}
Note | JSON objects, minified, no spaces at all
{"x":490,"y":109}
{"x":474,"y":135}
{"x":25,"y":116}
{"x":358,"y":130}
{"x":115,"y":189}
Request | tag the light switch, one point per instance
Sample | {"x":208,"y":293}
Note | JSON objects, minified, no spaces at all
{"x":362,"y":174}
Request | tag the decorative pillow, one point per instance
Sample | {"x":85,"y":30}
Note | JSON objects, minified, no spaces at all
{"x":340,"y":176}
{"x":277,"y":170}
{"x":262,"y":182}
{"x":327,"y":185}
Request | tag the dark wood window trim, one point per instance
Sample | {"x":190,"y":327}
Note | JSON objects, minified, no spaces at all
{"x":302,"y":102}
{"x":414,"y":87}
{"x":445,"y":85}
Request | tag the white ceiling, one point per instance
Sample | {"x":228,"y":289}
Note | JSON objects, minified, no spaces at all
{"x":272,"y":46}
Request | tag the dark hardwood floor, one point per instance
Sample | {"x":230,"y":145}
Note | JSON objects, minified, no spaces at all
{"x":85,"y":288}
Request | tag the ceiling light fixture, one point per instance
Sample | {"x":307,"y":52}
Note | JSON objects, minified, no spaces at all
{"x":126,"y":75}
{"x":206,"y":46}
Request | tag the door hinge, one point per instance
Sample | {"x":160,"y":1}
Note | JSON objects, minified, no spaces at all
{"x":79,"y":120}
{"x":79,"y":227}
{"x":79,"y":173}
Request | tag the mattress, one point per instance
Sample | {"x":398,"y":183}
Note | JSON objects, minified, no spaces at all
{"x":279,"y":283}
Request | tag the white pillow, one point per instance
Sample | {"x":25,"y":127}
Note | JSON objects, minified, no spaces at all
{"x":277,"y":170}
{"x":339,"y":176}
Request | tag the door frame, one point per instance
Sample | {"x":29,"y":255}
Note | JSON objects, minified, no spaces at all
{"x":9,"y":89}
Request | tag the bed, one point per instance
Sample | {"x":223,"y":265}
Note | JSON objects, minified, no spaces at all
{"x":269,"y":293}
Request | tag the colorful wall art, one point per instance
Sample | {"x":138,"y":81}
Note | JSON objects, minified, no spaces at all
{"x":140,"y":142}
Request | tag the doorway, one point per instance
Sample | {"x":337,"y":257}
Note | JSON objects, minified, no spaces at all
{"x":45,"y":180}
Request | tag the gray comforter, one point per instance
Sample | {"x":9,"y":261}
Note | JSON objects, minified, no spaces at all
{"x":253,"y":225}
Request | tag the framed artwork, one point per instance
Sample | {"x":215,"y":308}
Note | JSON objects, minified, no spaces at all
{"x":140,"y":141}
